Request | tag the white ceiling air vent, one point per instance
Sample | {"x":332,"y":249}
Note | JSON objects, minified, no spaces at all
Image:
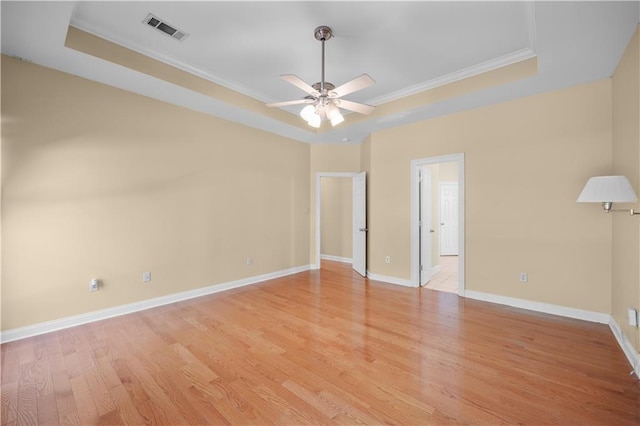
{"x":164,"y":27}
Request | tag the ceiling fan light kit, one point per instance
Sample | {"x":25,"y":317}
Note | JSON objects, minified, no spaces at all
{"x":323,"y":98}
{"x":308,"y":112}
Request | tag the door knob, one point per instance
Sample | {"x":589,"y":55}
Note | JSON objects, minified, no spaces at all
{"x":432,"y":231}
{"x":363,"y":229}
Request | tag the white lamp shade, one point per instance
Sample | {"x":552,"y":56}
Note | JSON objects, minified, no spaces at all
{"x":308,"y":112}
{"x":332,"y":111}
{"x":603,"y":189}
{"x":337,"y":119}
{"x":314,"y":121}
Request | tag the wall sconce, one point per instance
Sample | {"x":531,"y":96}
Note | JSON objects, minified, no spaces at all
{"x":607,"y":190}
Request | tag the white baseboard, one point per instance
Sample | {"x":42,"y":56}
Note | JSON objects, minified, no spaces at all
{"x":628,"y":349}
{"x":435,"y":269}
{"x":390,"y":280}
{"x":336,"y":258}
{"x":546,"y":308}
{"x":49,"y":326}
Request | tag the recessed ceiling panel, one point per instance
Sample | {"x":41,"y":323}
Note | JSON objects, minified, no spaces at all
{"x":246,"y":46}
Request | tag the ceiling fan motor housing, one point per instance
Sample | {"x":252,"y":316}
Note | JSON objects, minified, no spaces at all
{"x":327,"y":86}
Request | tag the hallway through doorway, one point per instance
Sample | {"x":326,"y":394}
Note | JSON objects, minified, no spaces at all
{"x":446,"y":279}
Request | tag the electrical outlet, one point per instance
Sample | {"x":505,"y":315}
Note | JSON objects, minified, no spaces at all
{"x":633,"y":317}
{"x":524,"y":277}
{"x":94,"y":285}
{"x":249,"y":260}
{"x":387,"y":259}
{"x":146,"y":277}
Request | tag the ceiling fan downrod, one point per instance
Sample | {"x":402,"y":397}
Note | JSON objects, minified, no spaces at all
{"x":322,"y":33}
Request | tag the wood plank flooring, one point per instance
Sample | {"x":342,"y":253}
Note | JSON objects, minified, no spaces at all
{"x":322,"y":347}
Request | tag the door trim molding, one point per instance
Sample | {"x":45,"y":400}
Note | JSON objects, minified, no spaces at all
{"x":425,"y":199}
{"x":319,"y":175}
{"x":415,"y":243}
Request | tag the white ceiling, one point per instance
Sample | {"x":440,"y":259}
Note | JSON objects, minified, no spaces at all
{"x":407,"y":47}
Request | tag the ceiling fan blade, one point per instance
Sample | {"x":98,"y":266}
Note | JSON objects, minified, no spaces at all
{"x":354,"y":85}
{"x":356,"y":107}
{"x":299,"y":83}
{"x":286,"y":103}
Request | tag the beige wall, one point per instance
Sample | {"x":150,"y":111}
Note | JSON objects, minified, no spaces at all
{"x":449,"y":171}
{"x":99,"y":182}
{"x":328,"y":158}
{"x":626,"y":161}
{"x":525,"y":163}
{"x":336,"y":206}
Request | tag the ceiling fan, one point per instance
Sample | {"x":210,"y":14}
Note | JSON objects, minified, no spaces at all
{"x":324,"y":99}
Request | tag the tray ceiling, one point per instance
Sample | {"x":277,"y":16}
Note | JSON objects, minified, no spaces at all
{"x":409,"y":48}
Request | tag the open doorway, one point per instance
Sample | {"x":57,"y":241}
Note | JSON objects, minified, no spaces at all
{"x":341,"y":200}
{"x":437,"y":223}
{"x":444,"y":208}
{"x":336,"y":219}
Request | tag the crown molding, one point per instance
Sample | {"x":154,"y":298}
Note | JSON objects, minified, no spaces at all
{"x":490,"y":65}
{"x":183,"y":66}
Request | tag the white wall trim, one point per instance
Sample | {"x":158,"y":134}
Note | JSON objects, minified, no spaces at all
{"x":632,"y":355}
{"x":625,"y":344}
{"x":390,"y":280}
{"x":336,"y":258}
{"x":533,"y":37}
{"x":182,"y":66}
{"x":546,"y":308}
{"x":72,"y":321}
{"x":490,"y":65}
{"x":435,"y":269}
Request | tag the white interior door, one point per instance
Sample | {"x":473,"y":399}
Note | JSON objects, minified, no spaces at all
{"x":425,"y":225}
{"x":448,"y":218}
{"x":359,"y":228}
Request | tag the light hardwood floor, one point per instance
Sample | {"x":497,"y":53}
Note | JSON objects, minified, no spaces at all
{"x":322,"y":347}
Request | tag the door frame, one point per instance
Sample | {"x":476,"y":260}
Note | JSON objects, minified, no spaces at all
{"x":425,"y":270}
{"x":319,"y":176}
{"x":415,"y":214}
